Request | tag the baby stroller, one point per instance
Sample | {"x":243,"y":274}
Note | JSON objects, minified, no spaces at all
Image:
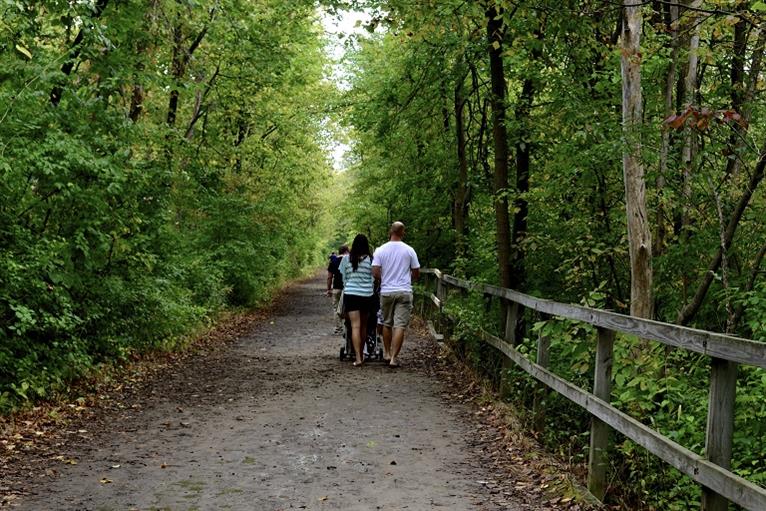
{"x":371,"y":344}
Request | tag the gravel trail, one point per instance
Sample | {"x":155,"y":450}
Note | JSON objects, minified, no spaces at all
{"x":274,"y":421}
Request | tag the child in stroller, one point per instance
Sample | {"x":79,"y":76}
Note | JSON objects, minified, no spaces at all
{"x":372,"y":346}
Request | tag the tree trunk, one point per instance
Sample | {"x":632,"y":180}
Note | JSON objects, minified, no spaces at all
{"x":177,"y":69}
{"x":639,"y":235}
{"x":742,"y":93}
{"x":74,"y":53}
{"x":670,"y":82}
{"x":460,"y":206}
{"x":495,"y":34}
{"x":688,"y":149}
{"x":142,"y":46}
{"x":136,"y":103}
{"x":737,"y":83}
{"x":521,"y":206}
{"x":180,"y":61}
{"x":523,"y":158}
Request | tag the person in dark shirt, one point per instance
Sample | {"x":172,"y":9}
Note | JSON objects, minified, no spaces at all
{"x":335,"y":283}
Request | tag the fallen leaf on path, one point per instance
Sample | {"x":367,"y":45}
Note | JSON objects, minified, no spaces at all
{"x":323,"y":498}
{"x":105,"y":481}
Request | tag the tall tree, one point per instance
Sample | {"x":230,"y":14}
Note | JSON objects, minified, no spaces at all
{"x":495,"y":37}
{"x":639,"y":233}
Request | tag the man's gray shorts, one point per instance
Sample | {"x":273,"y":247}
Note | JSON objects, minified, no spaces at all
{"x":397,"y":309}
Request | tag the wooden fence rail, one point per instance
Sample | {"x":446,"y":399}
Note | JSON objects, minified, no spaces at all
{"x":719,"y":484}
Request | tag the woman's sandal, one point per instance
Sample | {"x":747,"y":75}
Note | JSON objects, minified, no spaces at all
{"x":358,"y":364}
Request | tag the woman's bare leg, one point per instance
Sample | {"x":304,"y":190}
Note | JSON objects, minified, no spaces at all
{"x":363,"y":317}
{"x":355,"y":317}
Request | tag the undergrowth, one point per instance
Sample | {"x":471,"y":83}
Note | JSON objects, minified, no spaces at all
{"x":666,"y":389}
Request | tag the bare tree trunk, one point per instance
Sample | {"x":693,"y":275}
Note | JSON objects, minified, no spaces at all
{"x":181,"y":57}
{"x":737,"y":77}
{"x":495,"y":34}
{"x":742,"y":93}
{"x":199,"y":102}
{"x":523,"y":159}
{"x":688,"y":149}
{"x":74,"y":53}
{"x":138,"y":94}
{"x":670,"y":82}
{"x":136,"y":102}
{"x":460,"y":205}
{"x":755,"y":71}
{"x":177,"y":69}
{"x":639,"y":235}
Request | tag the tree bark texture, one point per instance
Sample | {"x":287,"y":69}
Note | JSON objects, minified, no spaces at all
{"x":460,"y":206}
{"x":690,"y":90}
{"x":742,"y":93}
{"x":523,"y":161}
{"x":495,"y":33}
{"x":639,"y":234}
{"x":670,"y":81}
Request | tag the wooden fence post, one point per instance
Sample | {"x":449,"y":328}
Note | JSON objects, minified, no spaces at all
{"x":542,"y":359}
{"x":441,"y":289}
{"x":449,"y":290}
{"x":424,"y":296}
{"x":441,"y":292}
{"x":599,"y":431}
{"x":720,"y":425}
{"x":511,"y":316}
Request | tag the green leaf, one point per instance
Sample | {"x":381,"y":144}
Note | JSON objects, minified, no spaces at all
{"x":23,"y":51}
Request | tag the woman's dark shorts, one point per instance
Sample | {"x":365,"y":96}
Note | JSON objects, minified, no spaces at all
{"x":357,"y":303}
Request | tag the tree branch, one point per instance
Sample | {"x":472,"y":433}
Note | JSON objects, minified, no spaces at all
{"x":690,"y":310}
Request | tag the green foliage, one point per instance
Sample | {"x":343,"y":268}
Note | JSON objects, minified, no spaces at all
{"x":121,"y":230}
{"x":407,"y":84}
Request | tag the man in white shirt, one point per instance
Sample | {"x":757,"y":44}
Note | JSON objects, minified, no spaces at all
{"x":395,"y":265}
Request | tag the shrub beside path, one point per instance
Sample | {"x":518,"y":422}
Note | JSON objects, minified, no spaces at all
{"x":274,"y":421}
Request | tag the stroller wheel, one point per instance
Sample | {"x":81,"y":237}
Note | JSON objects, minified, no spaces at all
{"x":380,"y":354}
{"x":342,"y":353}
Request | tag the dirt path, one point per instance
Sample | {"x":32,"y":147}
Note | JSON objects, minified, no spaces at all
{"x":275,"y":421}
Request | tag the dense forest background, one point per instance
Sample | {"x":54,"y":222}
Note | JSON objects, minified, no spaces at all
{"x":163,"y":160}
{"x":160,"y":160}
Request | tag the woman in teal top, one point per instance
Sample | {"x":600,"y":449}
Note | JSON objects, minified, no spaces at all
{"x":356,"y":269}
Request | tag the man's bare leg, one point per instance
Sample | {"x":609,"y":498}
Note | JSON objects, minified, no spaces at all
{"x":386,"y":342}
{"x":338,"y":319}
{"x":397,"y":339}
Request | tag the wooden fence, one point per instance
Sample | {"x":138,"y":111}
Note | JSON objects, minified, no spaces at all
{"x":719,"y":484}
